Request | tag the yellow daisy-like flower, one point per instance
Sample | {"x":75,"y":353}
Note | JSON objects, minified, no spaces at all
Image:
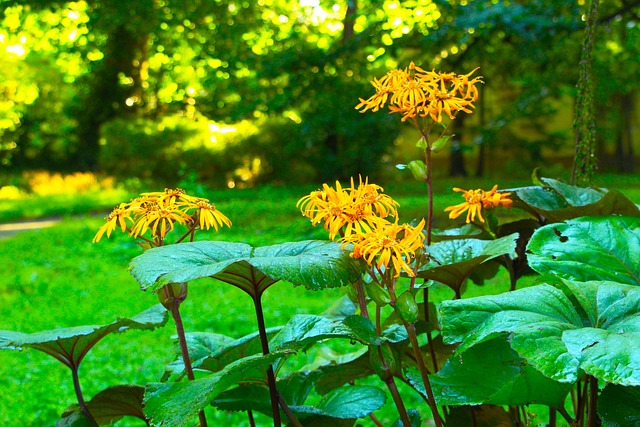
{"x":388,"y":245}
{"x":158,"y":217}
{"x":414,"y":92}
{"x":476,"y":200}
{"x":209,"y":216}
{"x":159,"y":211}
{"x":118,"y":216}
{"x":349,"y":210}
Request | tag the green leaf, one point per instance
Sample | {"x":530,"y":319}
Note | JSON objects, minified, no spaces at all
{"x":422,"y":143}
{"x":247,"y":397}
{"x":418,"y":170}
{"x":452,"y":261}
{"x":352,"y":402}
{"x":440,"y":143}
{"x":618,"y":406}
{"x":348,"y":402}
{"x":248,"y":345}
{"x":546,"y":328}
{"x":107,"y":407}
{"x":74,"y":418}
{"x":589,"y":248}
{"x":333,"y":376}
{"x":313,"y":264}
{"x":201,"y":345}
{"x":493,"y":373}
{"x":560,"y":202}
{"x":176,"y":404}
{"x":414,"y":417}
{"x":70,"y":345}
{"x":364,"y":331}
{"x":304,"y":330}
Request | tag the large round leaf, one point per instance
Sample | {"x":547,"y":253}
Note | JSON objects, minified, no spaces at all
{"x":493,"y":373}
{"x":70,"y":345}
{"x":313,"y":264}
{"x":452,"y":261}
{"x":556,"y":201}
{"x":589,"y":248}
{"x":599,"y":335}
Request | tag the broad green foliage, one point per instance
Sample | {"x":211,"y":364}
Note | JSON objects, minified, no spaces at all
{"x":618,"y":406}
{"x":452,"y":261}
{"x":493,"y":373}
{"x":589,"y":248}
{"x":108,"y":406}
{"x":176,"y":404}
{"x":70,"y":345}
{"x":313,"y":264}
{"x":587,"y":327}
{"x":555,"y":201}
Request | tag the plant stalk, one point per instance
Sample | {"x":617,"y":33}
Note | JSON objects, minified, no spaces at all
{"x":252,"y":422}
{"x":427,"y":158}
{"x":184,"y":350}
{"x":397,"y":399}
{"x":362,"y":299}
{"x":432,"y":349}
{"x":78,"y":390}
{"x":552,"y":417}
{"x":592,"y":415}
{"x":431,"y":400}
{"x":271,"y":378}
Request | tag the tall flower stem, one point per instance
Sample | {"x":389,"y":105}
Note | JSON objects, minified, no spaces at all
{"x":429,"y":179}
{"x":413,"y":339}
{"x":397,"y":399}
{"x":271,"y":378}
{"x":174,"y":308}
{"x":79,"y":397}
{"x":592,"y":415}
{"x":276,"y":400}
{"x":388,"y":380}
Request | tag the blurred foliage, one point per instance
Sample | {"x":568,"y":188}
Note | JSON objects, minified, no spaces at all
{"x":84,"y":80}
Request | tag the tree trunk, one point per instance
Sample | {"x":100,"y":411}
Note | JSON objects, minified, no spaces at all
{"x":107,"y":98}
{"x":456,"y":157}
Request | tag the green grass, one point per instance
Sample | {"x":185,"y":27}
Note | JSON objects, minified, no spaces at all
{"x":56,"y":277}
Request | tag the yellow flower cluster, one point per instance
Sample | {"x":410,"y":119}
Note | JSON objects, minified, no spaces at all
{"x":391,"y":245}
{"x":348,"y":210}
{"x":359,"y":215}
{"x":414,"y":92}
{"x":476,"y":200}
{"x":159,"y":211}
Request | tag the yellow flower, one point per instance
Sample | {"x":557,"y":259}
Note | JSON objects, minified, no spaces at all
{"x":414,"y":92}
{"x":388,"y":245}
{"x":158,"y":217}
{"x":349,"y":210}
{"x":476,"y":200}
{"x":159,"y":211}
{"x":209,"y":216}
{"x":118,"y":216}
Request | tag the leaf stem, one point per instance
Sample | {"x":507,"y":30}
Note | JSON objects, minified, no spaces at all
{"x":252,"y":422}
{"x":592,"y":416}
{"x":432,"y":349}
{"x":427,"y":158}
{"x":174,"y":308}
{"x":78,"y":390}
{"x":271,"y":378}
{"x":362,"y":300}
{"x":552,"y":417}
{"x":397,"y":399}
{"x":431,"y":400}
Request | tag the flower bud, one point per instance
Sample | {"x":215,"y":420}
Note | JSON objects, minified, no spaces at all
{"x":173,"y":293}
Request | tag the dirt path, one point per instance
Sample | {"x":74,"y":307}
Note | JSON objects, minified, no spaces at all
{"x":11,"y":229}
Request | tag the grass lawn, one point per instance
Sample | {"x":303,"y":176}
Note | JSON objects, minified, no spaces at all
{"x":55,"y":277}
